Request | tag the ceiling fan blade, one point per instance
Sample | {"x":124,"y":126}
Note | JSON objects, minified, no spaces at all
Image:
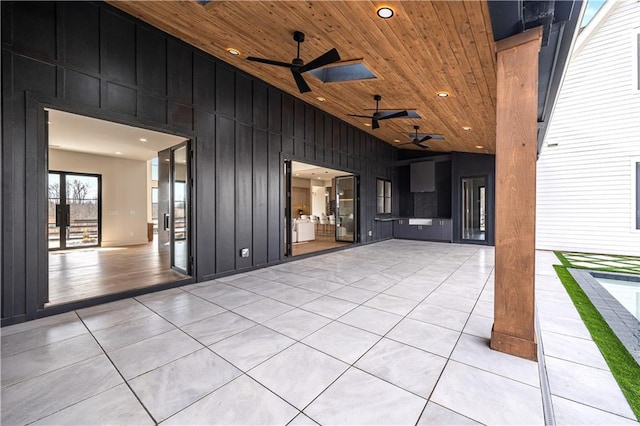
{"x":302,"y":85}
{"x":394,"y":115}
{"x":360,"y":116}
{"x":375,"y":124}
{"x":423,"y":146}
{"x":426,"y":138}
{"x":325,"y":59}
{"x":269,"y":61}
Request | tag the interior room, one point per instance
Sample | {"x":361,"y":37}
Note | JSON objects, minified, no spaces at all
{"x":322,"y":217}
{"x":103,"y":229}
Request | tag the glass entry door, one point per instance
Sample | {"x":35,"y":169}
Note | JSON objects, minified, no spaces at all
{"x":174,"y":206}
{"x":474,"y":212}
{"x":74,"y":219}
{"x":346,"y":208}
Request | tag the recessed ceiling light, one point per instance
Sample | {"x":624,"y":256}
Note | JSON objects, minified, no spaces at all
{"x":466,"y":128}
{"x":320,"y":98}
{"x":479,"y":146}
{"x":443,"y":94}
{"x":385,"y":12}
{"x":234,"y":52}
{"x":396,"y":140}
{"x":297,"y":174}
{"x":319,"y":177}
{"x":118,"y":153}
{"x":143,"y":139}
{"x":367,"y":124}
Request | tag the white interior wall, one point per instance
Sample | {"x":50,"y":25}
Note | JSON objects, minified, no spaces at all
{"x":125,"y":206}
{"x":318,"y":200}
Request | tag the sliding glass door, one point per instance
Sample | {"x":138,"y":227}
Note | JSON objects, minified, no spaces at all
{"x":74,"y":219}
{"x":174,"y":206}
{"x":346,"y":208}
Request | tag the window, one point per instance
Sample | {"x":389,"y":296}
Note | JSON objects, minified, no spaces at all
{"x":154,"y":209}
{"x":383,"y":196}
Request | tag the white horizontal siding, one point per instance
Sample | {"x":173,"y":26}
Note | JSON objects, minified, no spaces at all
{"x":586,"y":184}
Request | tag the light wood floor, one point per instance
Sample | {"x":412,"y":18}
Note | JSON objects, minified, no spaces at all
{"x":319,"y":244}
{"x":84,"y":273}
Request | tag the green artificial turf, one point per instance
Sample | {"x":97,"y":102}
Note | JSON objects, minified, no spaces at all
{"x":624,"y":367}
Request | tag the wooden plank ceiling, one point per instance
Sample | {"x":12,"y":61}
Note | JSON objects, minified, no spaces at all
{"x":426,"y":47}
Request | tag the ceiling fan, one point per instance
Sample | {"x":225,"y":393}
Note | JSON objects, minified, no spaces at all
{"x":418,"y":142}
{"x":377,"y":115}
{"x":298,"y":66}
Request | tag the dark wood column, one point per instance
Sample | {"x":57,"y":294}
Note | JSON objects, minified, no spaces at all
{"x":516,"y":150}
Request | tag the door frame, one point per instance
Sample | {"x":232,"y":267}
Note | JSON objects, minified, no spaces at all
{"x":36,"y":208}
{"x":485,"y":241}
{"x":99,"y":177}
{"x":356,"y":208}
{"x":189,"y":217}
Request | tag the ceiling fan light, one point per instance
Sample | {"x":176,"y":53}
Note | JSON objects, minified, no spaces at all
{"x":385,"y":12}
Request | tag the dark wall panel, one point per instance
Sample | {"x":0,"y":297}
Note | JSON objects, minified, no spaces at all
{"x":81,"y":36}
{"x":260,"y":192}
{"x":225,"y":90}
{"x":225,"y":195}
{"x":92,"y":59}
{"x":244,"y":194}
{"x":205,"y":147}
{"x":34,"y":28}
{"x":179,"y":71}
{"x":82,"y":88}
{"x":152,"y":61}
{"x":118,"y":48}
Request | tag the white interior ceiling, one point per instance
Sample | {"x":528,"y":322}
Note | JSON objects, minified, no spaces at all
{"x":309,"y":171}
{"x":72,"y":132}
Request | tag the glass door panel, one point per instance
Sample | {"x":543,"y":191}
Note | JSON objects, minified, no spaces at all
{"x":82,"y":199}
{"x":74,"y":219}
{"x":180,"y":209}
{"x":346,"y":208}
{"x":474,"y":209}
{"x":54,"y":216}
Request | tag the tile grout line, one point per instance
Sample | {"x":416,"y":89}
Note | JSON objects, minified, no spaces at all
{"x":118,"y":371}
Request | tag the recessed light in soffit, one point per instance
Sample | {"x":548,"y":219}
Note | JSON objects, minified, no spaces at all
{"x":385,"y":12}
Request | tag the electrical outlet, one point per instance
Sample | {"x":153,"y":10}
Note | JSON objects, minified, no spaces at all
{"x":244,"y":252}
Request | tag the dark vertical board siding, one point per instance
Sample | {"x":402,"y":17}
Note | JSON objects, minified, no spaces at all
{"x":275,"y":110}
{"x":298,"y":119}
{"x":225,"y":90}
{"x":180,"y":71}
{"x":81,"y":88}
{"x":472,"y":165}
{"x":274,"y":209}
{"x":287,"y":115}
{"x":80,"y":32}
{"x":244,"y":101}
{"x":205,"y":176}
{"x":34,"y":27}
{"x":92,"y":59}
{"x":260,"y":106}
{"x":118,"y":48}
{"x":260,"y":192}
{"x":204,"y":78}
{"x":225,"y":195}
{"x":244,"y":194}
{"x":152,"y":61}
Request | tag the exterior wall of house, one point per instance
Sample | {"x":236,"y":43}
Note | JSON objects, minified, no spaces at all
{"x":91,"y":59}
{"x":586,"y":189}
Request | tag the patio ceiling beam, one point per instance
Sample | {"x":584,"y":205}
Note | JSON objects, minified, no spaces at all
{"x":516,"y":150}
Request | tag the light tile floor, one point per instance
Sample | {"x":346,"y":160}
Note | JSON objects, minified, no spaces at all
{"x":367,"y":335}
